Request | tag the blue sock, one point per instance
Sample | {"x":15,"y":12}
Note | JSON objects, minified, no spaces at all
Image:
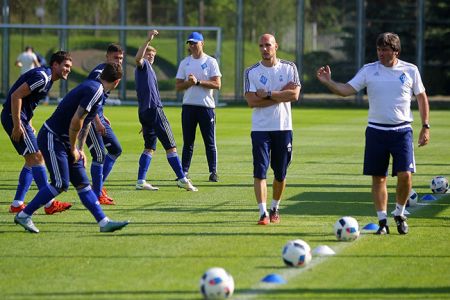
{"x":97,"y":177}
{"x":108,"y":165}
{"x":144,"y":164}
{"x":40,"y":176}
{"x":89,"y":200}
{"x":44,"y":195}
{"x":25,"y":179}
{"x":175,"y":163}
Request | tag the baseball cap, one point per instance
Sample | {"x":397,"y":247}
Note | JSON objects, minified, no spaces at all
{"x":195,"y":37}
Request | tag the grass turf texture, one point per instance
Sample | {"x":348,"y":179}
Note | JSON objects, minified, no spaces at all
{"x":174,"y":235}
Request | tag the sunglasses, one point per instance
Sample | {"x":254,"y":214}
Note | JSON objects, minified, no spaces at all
{"x":192,"y":43}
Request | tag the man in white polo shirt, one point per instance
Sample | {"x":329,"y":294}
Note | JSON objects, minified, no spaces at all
{"x":390,"y":84}
{"x":270,"y":86}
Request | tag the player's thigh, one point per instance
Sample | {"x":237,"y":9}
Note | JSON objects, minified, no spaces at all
{"x":261,"y":144}
{"x":164,"y":131}
{"x":28,"y":144}
{"x":189,"y":121}
{"x":78,"y":176}
{"x":207,"y":122}
{"x":376,"y":152}
{"x":281,"y":153}
{"x":111,"y":141}
{"x":402,"y":150}
{"x":95,"y":144}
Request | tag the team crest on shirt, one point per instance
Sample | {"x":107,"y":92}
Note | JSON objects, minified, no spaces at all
{"x":402,"y":78}
{"x":204,"y":66}
{"x":263,"y":79}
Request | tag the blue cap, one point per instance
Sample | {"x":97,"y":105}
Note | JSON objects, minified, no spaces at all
{"x":195,"y":37}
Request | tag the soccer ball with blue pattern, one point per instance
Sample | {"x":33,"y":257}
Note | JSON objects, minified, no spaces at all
{"x":296,"y":253}
{"x":439,"y":185}
{"x":216,"y":283}
{"x":346,"y":229}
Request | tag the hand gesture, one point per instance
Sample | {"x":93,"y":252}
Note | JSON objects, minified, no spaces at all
{"x":192,"y":79}
{"x":152,"y":34}
{"x":424,"y":137}
{"x":324,"y":73}
{"x":17,"y":133}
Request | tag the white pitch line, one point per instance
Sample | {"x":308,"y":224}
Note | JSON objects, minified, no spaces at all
{"x":290,"y":273}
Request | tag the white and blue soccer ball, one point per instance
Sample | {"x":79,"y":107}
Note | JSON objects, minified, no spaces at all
{"x":296,"y":253}
{"x":439,"y":185}
{"x":216,"y":283}
{"x":412,"y":199}
{"x":346,"y":229}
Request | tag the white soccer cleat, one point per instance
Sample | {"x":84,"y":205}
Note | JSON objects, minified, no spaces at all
{"x":187,"y":185}
{"x":146,"y":186}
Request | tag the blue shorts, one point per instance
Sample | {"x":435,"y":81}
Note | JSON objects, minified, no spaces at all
{"x":156,"y":126}
{"x":273,"y":146}
{"x":28,"y":144}
{"x":60,"y":164}
{"x":381,"y":144}
{"x":98,"y":144}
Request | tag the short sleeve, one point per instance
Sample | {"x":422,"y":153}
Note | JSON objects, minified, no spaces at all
{"x":215,"y":71}
{"x":358,"y":82}
{"x":181,"y":71}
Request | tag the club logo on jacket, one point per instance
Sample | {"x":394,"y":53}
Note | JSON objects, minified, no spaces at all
{"x":263,"y":79}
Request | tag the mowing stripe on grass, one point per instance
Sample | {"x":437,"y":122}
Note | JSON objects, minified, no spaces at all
{"x":261,"y":288}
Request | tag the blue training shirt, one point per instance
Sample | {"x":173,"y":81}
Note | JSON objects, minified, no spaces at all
{"x":89,"y":94}
{"x":95,"y":74}
{"x":147,"y":87}
{"x":40,"y":83}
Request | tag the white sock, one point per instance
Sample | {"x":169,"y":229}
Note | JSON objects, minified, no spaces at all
{"x":17,"y":203}
{"x":184,"y":179}
{"x":141,"y":181}
{"x":49,"y":203}
{"x":23,"y":215}
{"x":262,"y":208}
{"x":382,"y":214}
{"x":399,"y":210}
{"x":103,"y":222}
{"x":275,"y":204}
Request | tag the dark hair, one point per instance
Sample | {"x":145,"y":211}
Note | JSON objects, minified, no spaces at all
{"x":111,"y":72}
{"x":391,"y":40}
{"x":59,"y":57}
{"x":114,"y":48}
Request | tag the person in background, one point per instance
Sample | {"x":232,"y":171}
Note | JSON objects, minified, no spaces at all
{"x":198,"y":75}
{"x":27,"y":60}
{"x":390,"y":84}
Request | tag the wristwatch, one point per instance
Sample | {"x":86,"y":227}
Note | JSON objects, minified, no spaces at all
{"x":198,"y":82}
{"x":427,"y":126}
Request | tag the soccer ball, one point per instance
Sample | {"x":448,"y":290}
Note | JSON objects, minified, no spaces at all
{"x":346,"y":229}
{"x":412,"y":199}
{"x":216,"y":283}
{"x":439,"y":185}
{"x":296,"y":253}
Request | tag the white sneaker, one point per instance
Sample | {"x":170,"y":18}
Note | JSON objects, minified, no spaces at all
{"x":146,"y":186}
{"x":187,"y":185}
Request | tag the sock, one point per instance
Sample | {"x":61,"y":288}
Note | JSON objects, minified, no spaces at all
{"x":382,"y":214}
{"x":49,"y":203}
{"x":144,"y":164}
{"x":175,"y":163}
{"x":103,"y":222}
{"x":108,"y":165}
{"x":97,"y":177}
{"x":17,"y":203}
{"x":262,"y":208}
{"x":399,"y":210}
{"x":275,"y":204}
{"x":89,"y":200}
{"x":45,"y":194}
{"x":40,"y":175}
{"x":25,"y":179}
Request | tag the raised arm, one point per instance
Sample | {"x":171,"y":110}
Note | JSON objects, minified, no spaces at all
{"x":139,"y":58}
{"x":341,"y":89}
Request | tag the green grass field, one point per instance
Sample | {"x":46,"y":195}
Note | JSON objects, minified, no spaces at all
{"x":174,"y":235}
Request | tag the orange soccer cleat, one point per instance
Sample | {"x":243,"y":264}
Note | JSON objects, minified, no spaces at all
{"x":16,"y":209}
{"x":57,"y":206}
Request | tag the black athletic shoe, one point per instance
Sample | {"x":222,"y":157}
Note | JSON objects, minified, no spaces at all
{"x":383,"y":228}
{"x":402,"y":227}
{"x":213,"y":177}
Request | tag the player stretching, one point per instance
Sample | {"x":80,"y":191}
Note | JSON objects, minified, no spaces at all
{"x":61,"y":140}
{"x":153,"y":120}
{"x":16,"y":116}
{"x":101,"y":137}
